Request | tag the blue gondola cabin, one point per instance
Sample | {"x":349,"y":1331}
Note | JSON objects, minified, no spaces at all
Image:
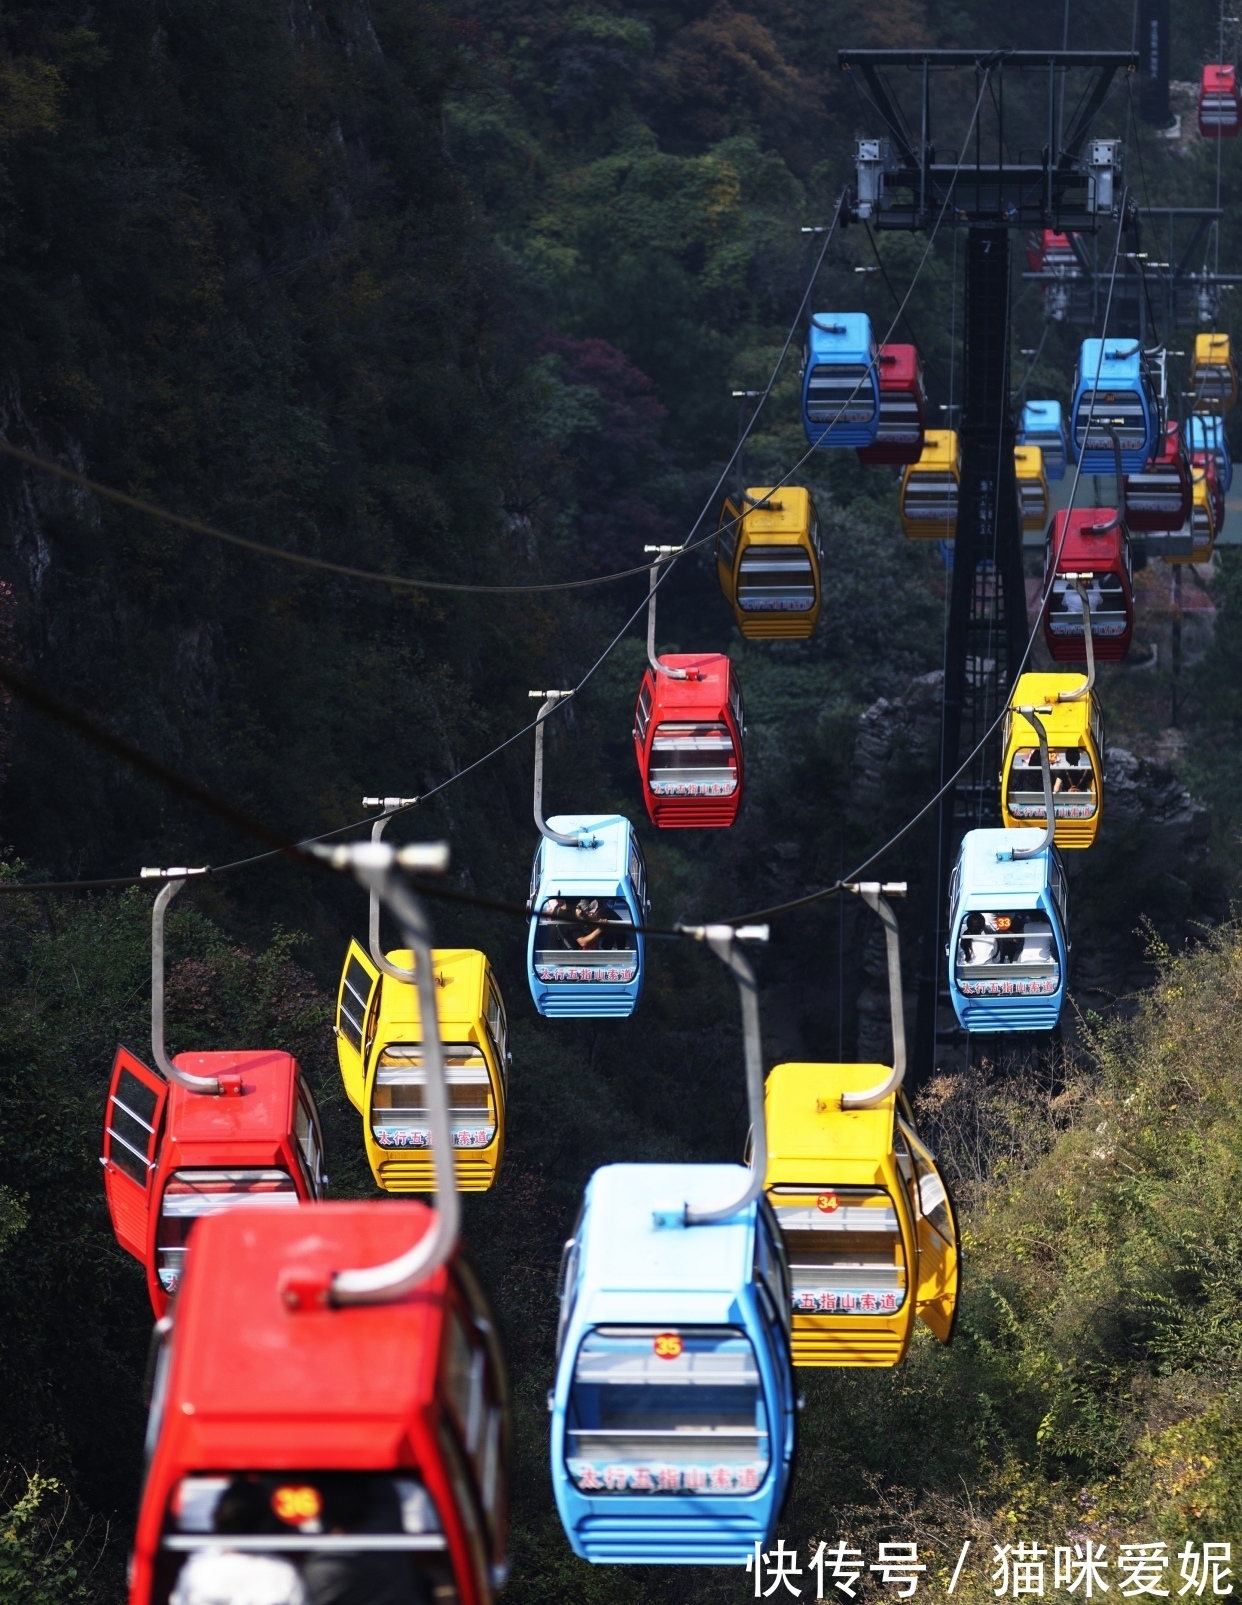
{"x":840,"y":381}
{"x":591,"y":966}
{"x":1112,"y":392}
{"x":1042,"y":425}
{"x":1206,"y":433}
{"x":673,"y":1411}
{"x":1008,"y":943}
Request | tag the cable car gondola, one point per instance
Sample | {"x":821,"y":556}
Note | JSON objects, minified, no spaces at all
{"x":929,"y":489}
{"x":688,"y":738}
{"x":1028,"y":463}
{"x":325,"y":1435}
{"x":840,"y":385}
{"x":768,"y":563}
{"x":673,"y":1411}
{"x":1213,"y":377}
{"x":1207,"y":499}
{"x":1158,"y":498}
{"x":1042,"y":425}
{"x":868,"y":1224}
{"x":379,"y":1048}
{"x":588,"y":898}
{"x":1068,"y":711}
{"x":1207,"y":434}
{"x":1008,"y":932}
{"x":903,"y":409}
{"x":204,"y":1133}
{"x":1113,"y":390}
{"x":1088,"y":543}
{"x":1220,"y":107}
{"x":1055,"y":254}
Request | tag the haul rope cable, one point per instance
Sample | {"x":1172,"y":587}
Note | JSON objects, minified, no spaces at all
{"x":48,"y":703}
{"x":855,"y":874}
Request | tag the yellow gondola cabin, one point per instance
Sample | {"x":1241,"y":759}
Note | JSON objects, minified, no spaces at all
{"x":379,"y":1048}
{"x":1028,"y":463}
{"x":1075,"y":754}
{"x":1213,"y":377}
{"x":929,"y":489}
{"x":1202,"y":521}
{"x":767,"y":562}
{"x":869,"y":1228}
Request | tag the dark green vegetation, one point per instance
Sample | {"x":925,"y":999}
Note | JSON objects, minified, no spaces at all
{"x":462,"y":292}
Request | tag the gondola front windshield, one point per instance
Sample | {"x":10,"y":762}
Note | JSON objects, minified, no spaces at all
{"x":301,"y":1538}
{"x":693,"y":759}
{"x":666,"y":1411}
{"x":1006,"y":953}
{"x":596,"y":942}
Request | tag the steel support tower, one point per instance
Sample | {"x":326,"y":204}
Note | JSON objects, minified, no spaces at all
{"x":903,"y":185}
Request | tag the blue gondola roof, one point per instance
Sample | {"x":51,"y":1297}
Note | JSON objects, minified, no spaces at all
{"x":1207,"y":432}
{"x":1041,"y":417}
{"x":571,"y":867}
{"x":989,"y":882}
{"x":664,"y":1273}
{"x":841,"y":334}
{"x":1121,"y":362}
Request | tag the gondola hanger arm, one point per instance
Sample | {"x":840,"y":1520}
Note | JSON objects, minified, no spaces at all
{"x":212,"y":1086}
{"x":876,"y":894}
{"x":1088,"y":640}
{"x":1031,"y":715}
{"x":375,"y":864}
{"x":391,"y":805}
{"x":663,"y":554}
{"x":723,"y":941}
{"x":550,"y":700}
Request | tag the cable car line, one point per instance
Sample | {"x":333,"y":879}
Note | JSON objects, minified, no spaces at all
{"x":197,"y":526}
{"x":90,"y":728}
{"x":837,"y":886}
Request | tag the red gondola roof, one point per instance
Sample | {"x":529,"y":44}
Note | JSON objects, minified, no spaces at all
{"x":255,"y":1386}
{"x":262,"y":1113}
{"x":1083,"y":544}
{"x":699,"y":698}
{"x":899,"y":367}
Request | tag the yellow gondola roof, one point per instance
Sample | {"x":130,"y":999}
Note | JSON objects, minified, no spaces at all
{"x":805,"y":1119}
{"x":787,"y":517}
{"x":1066,"y":723}
{"x":459,"y":975}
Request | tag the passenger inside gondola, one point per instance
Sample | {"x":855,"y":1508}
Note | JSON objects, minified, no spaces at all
{"x":1007,"y":952}
{"x":1106,"y":598}
{"x":596,"y":930}
{"x":1073,"y":784}
{"x":323,"y":1530}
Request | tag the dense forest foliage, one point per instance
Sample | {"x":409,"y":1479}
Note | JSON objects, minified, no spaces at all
{"x":463,"y":292}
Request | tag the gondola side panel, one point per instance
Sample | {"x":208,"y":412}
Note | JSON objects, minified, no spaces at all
{"x":355,"y":1000}
{"x":133,"y":1126}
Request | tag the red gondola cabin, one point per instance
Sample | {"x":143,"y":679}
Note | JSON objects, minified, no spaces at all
{"x":903,"y":409}
{"x":1080,"y":544}
{"x":1050,"y":252}
{"x":1204,"y":463}
{"x":1219,"y":104}
{"x":1158,"y":499}
{"x":171,"y":1156}
{"x":688,"y":738}
{"x":304,"y":1452}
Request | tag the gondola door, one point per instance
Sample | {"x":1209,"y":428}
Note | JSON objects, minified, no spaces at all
{"x":355,"y":1020}
{"x":133,"y":1131}
{"x":936,"y":1231}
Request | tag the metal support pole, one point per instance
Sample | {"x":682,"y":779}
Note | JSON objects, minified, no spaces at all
{"x":987,"y":608}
